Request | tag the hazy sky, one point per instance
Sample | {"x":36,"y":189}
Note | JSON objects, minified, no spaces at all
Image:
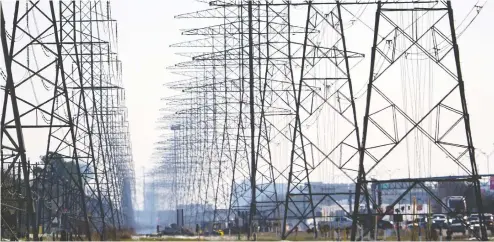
{"x":145,"y":31}
{"x":146,"y":28}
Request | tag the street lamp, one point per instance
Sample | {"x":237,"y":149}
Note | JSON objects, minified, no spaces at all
{"x":487,"y":157}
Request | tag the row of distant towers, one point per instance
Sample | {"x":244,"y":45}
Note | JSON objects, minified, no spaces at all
{"x":267,"y":79}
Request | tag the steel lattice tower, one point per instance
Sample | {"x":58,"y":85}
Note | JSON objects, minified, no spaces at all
{"x":398,"y":43}
{"x":267,"y":79}
{"x":71,"y":93}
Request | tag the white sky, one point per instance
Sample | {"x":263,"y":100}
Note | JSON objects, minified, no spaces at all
{"x":146,"y":28}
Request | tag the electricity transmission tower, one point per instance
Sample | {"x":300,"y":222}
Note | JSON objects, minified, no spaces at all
{"x":254,"y":66}
{"x":422,"y":37}
{"x":268,"y":109}
{"x":64,"y":101}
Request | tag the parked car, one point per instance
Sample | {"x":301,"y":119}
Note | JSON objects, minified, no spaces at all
{"x":488,"y":219}
{"x":488,"y":222}
{"x":439,"y":221}
{"x":457,"y":226}
{"x":418,"y":222}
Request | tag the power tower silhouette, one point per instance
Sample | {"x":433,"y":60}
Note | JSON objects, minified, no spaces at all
{"x":422,"y":36}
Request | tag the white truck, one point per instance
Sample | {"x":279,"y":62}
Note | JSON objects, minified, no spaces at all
{"x":455,"y":204}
